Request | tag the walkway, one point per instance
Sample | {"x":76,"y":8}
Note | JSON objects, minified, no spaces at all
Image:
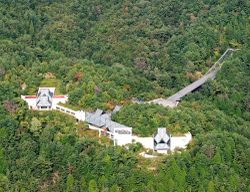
{"x":173,"y":100}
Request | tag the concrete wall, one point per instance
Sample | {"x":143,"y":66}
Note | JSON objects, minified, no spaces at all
{"x":94,"y":128}
{"x":58,"y":99}
{"x":176,"y":142}
{"x":64,"y":110}
{"x":180,"y":142}
{"x":80,"y":115}
{"x":30,"y":100}
{"x":123,"y":136}
{"x":147,"y":142}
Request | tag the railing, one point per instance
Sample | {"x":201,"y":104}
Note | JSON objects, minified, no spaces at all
{"x":189,"y":88}
{"x":219,"y":62}
{"x":65,"y":110}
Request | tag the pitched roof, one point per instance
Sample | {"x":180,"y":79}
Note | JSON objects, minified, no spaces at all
{"x":101,"y":119}
{"x":161,"y":139}
{"x":94,"y":119}
{"x":161,"y":135}
{"x":44,"y":98}
{"x":162,"y":146}
{"x":98,"y":112}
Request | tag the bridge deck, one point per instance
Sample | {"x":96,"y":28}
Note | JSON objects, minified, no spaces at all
{"x":173,"y":100}
{"x":177,"y":96}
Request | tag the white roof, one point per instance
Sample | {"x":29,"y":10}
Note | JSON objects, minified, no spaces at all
{"x":161,"y":135}
{"x":44,"y":97}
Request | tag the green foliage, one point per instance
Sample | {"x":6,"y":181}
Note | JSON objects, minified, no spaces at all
{"x":70,"y":183}
{"x":2,"y":162}
{"x":145,"y":119}
{"x":103,"y":53}
{"x":35,"y":127}
{"x":83,"y":184}
{"x":52,"y":83}
{"x":92,"y":186}
{"x":210,"y":187}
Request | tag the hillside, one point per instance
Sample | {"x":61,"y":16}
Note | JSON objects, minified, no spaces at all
{"x":103,"y":53}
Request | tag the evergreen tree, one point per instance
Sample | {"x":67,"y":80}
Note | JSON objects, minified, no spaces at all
{"x":210,"y":187}
{"x":217,"y":158}
{"x":83,"y":184}
{"x":92,"y":186}
{"x":70,"y":183}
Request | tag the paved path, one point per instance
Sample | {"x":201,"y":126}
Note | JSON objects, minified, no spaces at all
{"x":173,"y":100}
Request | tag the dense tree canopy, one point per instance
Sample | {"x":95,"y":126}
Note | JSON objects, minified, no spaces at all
{"x":103,"y":53}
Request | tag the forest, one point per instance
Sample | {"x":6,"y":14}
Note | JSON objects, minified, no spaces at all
{"x":107,"y":53}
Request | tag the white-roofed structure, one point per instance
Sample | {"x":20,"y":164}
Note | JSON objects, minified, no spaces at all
{"x":121,"y":134}
{"x":45,"y":99}
{"x":162,"y":140}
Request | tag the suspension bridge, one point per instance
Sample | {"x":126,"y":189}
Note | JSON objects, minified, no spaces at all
{"x":173,"y":100}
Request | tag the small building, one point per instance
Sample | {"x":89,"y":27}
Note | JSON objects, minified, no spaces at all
{"x":99,"y":120}
{"x":162,"y":141}
{"x":45,"y":99}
